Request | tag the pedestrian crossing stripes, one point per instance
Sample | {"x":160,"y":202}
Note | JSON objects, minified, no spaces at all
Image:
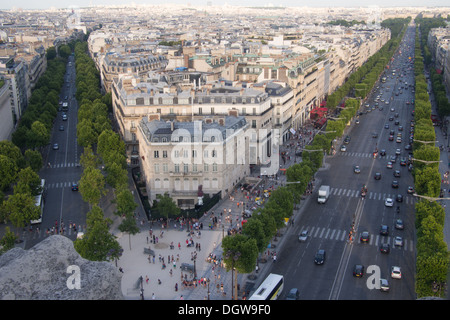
{"x":370,"y":195}
{"x":342,"y":235}
{"x":64,"y":165}
{"x":37,"y":233}
{"x":56,"y":185}
{"x":363,"y":155}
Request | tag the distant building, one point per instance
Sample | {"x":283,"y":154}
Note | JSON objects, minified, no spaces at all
{"x":6,"y":110}
{"x":135,"y":98}
{"x":114,"y":64}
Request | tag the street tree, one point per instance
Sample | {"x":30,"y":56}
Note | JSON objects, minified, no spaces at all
{"x":20,"y":208}
{"x":165,"y":207}
{"x":129,"y":225}
{"x":28,"y":181}
{"x":7,"y":241}
{"x":33,"y":159}
{"x":92,"y":185}
{"x":8,"y":172}
{"x":97,"y":243}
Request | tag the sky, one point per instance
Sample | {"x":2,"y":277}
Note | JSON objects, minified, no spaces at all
{"x":45,"y":4}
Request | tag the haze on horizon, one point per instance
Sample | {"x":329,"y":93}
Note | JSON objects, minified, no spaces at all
{"x":46,"y":4}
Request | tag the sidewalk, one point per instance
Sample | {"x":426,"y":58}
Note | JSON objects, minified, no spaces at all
{"x":162,"y":282}
{"x":135,"y":263}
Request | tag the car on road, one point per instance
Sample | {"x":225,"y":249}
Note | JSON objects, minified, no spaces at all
{"x":347,"y":140}
{"x":356,"y":169}
{"x":55,"y":146}
{"x":377,"y":176}
{"x":389,"y":202}
{"x":365,"y":236}
{"x":395,"y":184}
{"x":319,"y":258}
{"x":396,"y":272}
{"x":399,"y":224}
{"x":385,"y":248}
{"x":293,"y":294}
{"x":303,"y":236}
{"x":410,"y":190}
{"x":74,"y":186}
{"x":386,"y":126}
{"x":64,"y":117}
{"x":398,"y":241}
{"x":384,"y":230}
{"x":397,"y":173}
{"x":382,"y":152}
{"x":374,"y":135}
{"x":61,"y":128}
{"x":399,"y":198}
{"x":358,"y":270}
{"x":343,"y":148}
{"x":389,"y":165}
{"x":384,"y":285}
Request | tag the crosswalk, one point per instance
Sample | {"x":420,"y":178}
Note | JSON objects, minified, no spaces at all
{"x":342,"y":235}
{"x":64,"y":165}
{"x":352,"y":193}
{"x":356,"y":154}
{"x":56,"y":185}
{"x":37,"y":233}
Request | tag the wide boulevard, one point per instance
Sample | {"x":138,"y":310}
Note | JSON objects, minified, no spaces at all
{"x":329,"y":224}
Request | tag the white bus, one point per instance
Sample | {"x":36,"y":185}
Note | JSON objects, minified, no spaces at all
{"x":39,"y":201}
{"x":270,"y":289}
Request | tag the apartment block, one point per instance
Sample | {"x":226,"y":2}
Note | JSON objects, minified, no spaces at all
{"x":189,"y":159}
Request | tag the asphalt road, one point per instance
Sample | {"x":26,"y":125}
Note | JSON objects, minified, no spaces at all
{"x":62,"y":205}
{"x":329,"y":224}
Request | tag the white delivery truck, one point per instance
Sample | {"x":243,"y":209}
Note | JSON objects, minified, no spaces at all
{"x":324,"y":192}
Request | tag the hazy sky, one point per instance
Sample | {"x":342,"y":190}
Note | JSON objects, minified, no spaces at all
{"x":44,"y":4}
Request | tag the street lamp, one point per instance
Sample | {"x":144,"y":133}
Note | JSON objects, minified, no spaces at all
{"x":235,"y":257}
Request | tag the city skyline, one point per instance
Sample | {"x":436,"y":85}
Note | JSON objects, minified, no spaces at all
{"x":46,"y":4}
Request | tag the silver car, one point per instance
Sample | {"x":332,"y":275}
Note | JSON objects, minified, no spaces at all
{"x":303,"y":236}
{"x":398,"y":241}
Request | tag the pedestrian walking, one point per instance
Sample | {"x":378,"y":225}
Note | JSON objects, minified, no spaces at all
{"x":176,"y":286}
{"x":146,"y":279}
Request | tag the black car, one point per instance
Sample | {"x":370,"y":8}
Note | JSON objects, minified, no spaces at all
{"x":384,"y":230}
{"x":399,"y":198}
{"x":365,"y":236}
{"x":74,"y":187}
{"x":358,"y":270}
{"x":385,"y":248}
{"x":61,"y":128}
{"x":397,"y":173}
{"x":382,"y":152}
{"x":377,"y":176}
{"x":319,"y":258}
{"x":395,"y":184}
{"x":347,"y":140}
